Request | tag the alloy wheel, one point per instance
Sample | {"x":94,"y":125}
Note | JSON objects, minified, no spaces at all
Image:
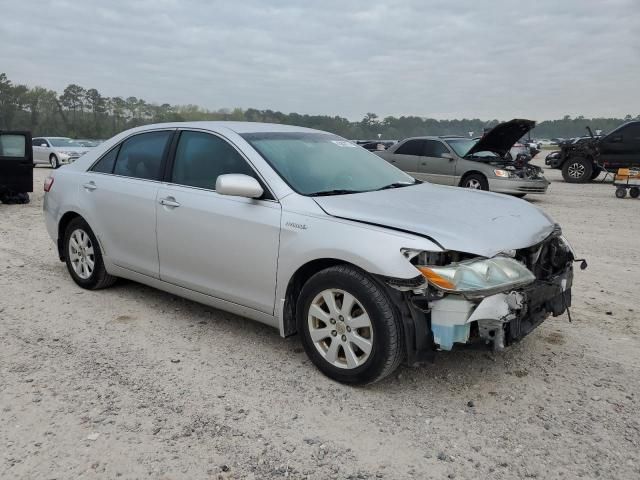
{"x":576,"y":170}
{"x":474,"y":184}
{"x":340,"y":328}
{"x":81,"y":254}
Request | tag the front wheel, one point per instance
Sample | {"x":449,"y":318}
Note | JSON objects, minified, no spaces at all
{"x":348,"y":326}
{"x":577,"y":170}
{"x":475,"y":181}
{"x":54,"y":162}
{"x":84,"y":258}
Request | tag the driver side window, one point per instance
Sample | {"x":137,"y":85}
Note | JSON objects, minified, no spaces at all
{"x":201,"y":157}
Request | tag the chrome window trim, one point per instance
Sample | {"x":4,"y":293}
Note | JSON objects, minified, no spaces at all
{"x":163,"y":182}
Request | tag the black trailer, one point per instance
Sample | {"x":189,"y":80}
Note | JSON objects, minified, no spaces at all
{"x":16,"y":166}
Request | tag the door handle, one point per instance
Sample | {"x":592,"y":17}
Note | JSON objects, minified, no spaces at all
{"x":169,"y":202}
{"x":91,"y":186}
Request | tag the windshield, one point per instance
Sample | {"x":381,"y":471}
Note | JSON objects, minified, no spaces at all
{"x":313,"y":163}
{"x":462,"y":145}
{"x":63,"y":142}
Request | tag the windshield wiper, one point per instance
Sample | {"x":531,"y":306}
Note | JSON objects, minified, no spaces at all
{"x":398,"y":185}
{"x":337,"y":191}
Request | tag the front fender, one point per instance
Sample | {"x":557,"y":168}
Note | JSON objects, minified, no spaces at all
{"x":307,"y":238}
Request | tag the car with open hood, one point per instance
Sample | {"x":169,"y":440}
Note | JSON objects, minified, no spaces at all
{"x":307,"y":232}
{"x":484,"y":164}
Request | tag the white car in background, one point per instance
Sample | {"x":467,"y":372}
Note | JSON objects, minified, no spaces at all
{"x":55,"y":151}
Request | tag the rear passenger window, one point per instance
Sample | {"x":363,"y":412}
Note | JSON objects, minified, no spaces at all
{"x":201,"y":158}
{"x":434,"y":148}
{"x":106,"y":163}
{"x":411,"y":147}
{"x":141,"y":156}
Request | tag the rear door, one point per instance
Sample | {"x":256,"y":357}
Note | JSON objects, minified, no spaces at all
{"x":120,"y":193}
{"x":435,"y":168}
{"x":621,"y":148}
{"x":16,"y":162}
{"x":406,"y":156}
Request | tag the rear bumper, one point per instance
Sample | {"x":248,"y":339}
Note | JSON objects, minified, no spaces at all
{"x":518,"y":186}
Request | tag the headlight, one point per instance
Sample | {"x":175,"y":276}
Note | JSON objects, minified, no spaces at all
{"x":478,"y":276}
{"x":503,"y":173}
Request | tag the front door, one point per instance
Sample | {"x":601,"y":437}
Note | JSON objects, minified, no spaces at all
{"x":436,"y":168}
{"x":16,"y":162}
{"x":219,"y":245}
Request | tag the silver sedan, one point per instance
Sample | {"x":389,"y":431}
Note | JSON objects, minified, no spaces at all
{"x":308,"y":233}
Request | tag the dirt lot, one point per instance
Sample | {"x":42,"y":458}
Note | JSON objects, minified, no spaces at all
{"x":131,"y":382}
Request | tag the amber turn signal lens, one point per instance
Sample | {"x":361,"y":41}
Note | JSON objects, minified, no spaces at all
{"x":436,"y":279}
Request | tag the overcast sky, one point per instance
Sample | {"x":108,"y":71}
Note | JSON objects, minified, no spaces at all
{"x":442,"y":59}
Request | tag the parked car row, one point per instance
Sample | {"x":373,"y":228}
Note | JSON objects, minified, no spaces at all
{"x":306,"y":232}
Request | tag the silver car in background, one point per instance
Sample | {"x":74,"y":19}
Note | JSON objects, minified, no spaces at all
{"x":483,"y":164}
{"x":308,"y":233}
{"x":56,"y":151}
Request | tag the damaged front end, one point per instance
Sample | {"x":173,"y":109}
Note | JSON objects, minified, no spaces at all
{"x":463,"y":299}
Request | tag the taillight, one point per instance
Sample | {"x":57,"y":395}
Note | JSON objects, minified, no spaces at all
{"x":48,"y":183}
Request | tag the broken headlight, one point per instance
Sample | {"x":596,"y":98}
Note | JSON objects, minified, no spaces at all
{"x":486,"y":276}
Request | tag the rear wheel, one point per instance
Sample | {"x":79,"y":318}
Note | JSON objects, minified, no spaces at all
{"x":348,"y":326}
{"x":53,"y":161}
{"x":475,"y":181}
{"x":83,"y":256}
{"x":634,"y":192}
{"x":577,"y":170}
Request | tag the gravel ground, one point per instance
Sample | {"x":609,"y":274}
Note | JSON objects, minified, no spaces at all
{"x":131,"y":382}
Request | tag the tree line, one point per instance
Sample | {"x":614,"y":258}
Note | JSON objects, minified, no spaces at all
{"x":80,"y":112}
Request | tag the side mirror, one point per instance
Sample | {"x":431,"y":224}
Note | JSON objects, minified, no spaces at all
{"x":446,"y":155}
{"x":238,"y":185}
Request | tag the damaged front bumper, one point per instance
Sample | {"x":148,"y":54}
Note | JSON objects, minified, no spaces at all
{"x":499,"y":319}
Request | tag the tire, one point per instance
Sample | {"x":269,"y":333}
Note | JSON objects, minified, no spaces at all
{"x":371,"y":318}
{"x":81,"y":248}
{"x":475,"y":181}
{"x":53,"y":161}
{"x":621,"y":192}
{"x":577,"y":170}
{"x":634,"y":192}
{"x":518,"y":195}
{"x":596,"y":171}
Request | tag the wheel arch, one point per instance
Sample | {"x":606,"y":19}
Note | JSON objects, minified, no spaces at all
{"x":294,"y":286}
{"x":62,"y":227}
{"x":471,"y":172}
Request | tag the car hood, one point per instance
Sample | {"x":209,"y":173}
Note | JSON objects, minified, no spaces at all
{"x":480,"y":223}
{"x":502,"y":137}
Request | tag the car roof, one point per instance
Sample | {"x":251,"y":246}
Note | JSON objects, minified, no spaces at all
{"x":237,"y":127}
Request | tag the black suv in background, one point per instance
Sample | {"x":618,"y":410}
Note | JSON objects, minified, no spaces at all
{"x":583,"y":161}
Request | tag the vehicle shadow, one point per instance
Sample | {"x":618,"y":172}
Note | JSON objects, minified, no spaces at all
{"x":449,"y":372}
